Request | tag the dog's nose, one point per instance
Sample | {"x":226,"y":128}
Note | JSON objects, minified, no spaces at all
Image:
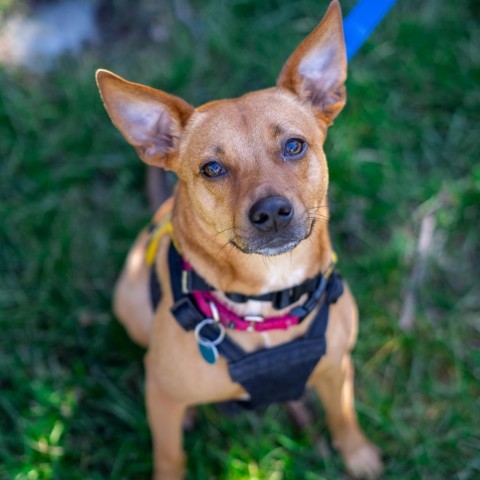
{"x":271,"y":213}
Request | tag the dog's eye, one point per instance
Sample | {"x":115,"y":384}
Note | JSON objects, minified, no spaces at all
{"x":213,"y":169}
{"x":294,"y":148}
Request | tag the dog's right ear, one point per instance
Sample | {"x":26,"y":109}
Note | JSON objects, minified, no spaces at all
{"x":317,"y":69}
{"x":150,"y":120}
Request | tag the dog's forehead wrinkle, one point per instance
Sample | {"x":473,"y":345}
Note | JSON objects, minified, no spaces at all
{"x":218,"y":150}
{"x":223,"y":133}
{"x":250,"y":126}
{"x":243,"y":115}
{"x":278,"y":130}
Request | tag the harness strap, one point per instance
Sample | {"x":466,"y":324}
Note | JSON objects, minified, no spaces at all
{"x":281,"y":373}
{"x":192,"y":281}
{"x":186,"y":312}
{"x":155,"y":289}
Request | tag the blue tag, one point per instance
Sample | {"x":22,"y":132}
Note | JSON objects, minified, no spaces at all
{"x":209,"y":352}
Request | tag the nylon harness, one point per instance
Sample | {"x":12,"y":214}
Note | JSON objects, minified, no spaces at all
{"x":269,"y":375}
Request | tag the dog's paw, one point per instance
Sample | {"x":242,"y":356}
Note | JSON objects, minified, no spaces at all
{"x":364,"y":462}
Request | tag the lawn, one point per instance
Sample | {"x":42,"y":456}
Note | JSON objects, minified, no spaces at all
{"x":404,"y":153}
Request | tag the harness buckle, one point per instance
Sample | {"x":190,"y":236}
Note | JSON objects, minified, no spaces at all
{"x":186,"y":281}
{"x":253,"y":319}
{"x":282,"y":298}
{"x":215,"y":313}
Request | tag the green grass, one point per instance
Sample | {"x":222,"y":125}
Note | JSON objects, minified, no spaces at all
{"x":72,"y":200}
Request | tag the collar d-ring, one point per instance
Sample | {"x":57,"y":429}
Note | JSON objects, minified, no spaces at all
{"x":205,"y":341}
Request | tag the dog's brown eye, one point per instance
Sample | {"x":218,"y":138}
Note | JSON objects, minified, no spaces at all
{"x":213,"y":169}
{"x":294,"y":148}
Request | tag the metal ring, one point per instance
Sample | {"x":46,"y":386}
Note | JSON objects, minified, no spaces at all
{"x":205,"y":341}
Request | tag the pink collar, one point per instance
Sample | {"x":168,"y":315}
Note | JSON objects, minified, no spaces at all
{"x":231,"y":320}
{"x":249,"y":323}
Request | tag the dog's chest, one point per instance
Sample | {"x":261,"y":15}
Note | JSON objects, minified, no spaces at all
{"x":279,"y":278}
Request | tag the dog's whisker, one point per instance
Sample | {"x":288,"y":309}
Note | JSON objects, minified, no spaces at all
{"x":265,"y":262}
{"x":317,"y":207}
{"x":220,"y":232}
{"x":232,"y":248}
{"x":228,"y":242}
{"x":317,"y":215}
{"x":323,"y":220}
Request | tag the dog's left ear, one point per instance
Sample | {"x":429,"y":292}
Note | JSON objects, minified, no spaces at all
{"x":149,"y":119}
{"x":317,"y":69}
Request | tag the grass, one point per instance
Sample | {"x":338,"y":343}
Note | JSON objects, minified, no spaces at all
{"x":72,"y":199}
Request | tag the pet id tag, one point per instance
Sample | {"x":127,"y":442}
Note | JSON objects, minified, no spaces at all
{"x":208,"y":348}
{"x":208,"y":352}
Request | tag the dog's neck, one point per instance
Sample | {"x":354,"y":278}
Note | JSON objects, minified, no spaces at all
{"x":226,"y":268}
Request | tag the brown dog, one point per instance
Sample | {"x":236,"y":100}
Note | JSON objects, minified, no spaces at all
{"x":249,"y":215}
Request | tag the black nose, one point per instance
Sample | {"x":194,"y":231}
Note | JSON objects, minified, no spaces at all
{"x":271,"y":213}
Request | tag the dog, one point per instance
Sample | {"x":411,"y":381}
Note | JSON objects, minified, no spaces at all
{"x":233,"y":288}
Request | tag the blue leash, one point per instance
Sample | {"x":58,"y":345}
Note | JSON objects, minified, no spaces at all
{"x":361,"y":22}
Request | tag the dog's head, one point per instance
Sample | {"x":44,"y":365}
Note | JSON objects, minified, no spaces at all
{"x":253,"y":167}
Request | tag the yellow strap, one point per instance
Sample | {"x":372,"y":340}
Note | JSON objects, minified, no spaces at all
{"x":334,"y":257}
{"x":161,"y":229}
{"x":330,"y":268}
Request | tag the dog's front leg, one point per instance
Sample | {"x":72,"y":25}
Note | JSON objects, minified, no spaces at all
{"x":165,"y":416}
{"x":335,"y":389}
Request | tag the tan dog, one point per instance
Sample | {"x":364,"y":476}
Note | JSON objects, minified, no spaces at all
{"x":250,"y":215}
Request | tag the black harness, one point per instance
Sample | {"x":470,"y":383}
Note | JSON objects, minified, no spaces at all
{"x":270,"y":375}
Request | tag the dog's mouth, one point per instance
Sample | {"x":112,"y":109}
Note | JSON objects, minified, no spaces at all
{"x":271,"y":245}
{"x":270,"y":249}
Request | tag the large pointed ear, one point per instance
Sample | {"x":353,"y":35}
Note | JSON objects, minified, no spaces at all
{"x":151,"y":120}
{"x":317,"y":69}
